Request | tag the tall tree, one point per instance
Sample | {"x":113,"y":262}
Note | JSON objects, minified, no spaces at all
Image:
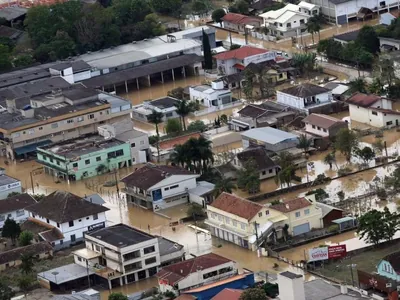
{"x":248,"y":177}
{"x":168,"y":7}
{"x":248,"y":84}
{"x":25,"y":238}
{"x":224,"y":184}
{"x":366,"y":154}
{"x":27,"y":263}
{"x":208,"y":63}
{"x":156,"y":118}
{"x":385,"y":70}
{"x":304,"y":62}
{"x":358,"y":85}
{"x":179,"y":156}
{"x":304,"y":143}
{"x":368,"y":39}
{"x":346,"y":142}
{"x":11,"y":230}
{"x":6,"y":293}
{"x":253,"y":294}
{"x":330,"y":159}
{"x":25,"y":283}
{"x":184,"y":108}
{"x":391,"y":222}
{"x":217,"y":15}
{"x":370,"y":226}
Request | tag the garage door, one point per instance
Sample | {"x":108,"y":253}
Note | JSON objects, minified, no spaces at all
{"x":303,"y":228}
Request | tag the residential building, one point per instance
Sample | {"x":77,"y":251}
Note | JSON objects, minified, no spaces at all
{"x":341,"y":12}
{"x":10,"y":33}
{"x":271,"y":139}
{"x":120,"y":254}
{"x":323,"y":125}
{"x":237,"y":22}
{"x":258,"y":7}
{"x":202,"y":194}
{"x":262,"y":115}
{"x":84,"y":157}
{"x":265,"y":166}
{"x":235,"y":61}
{"x":329,"y":214}
{"x":196,"y":33}
{"x":214,"y":96}
{"x":57,"y":116}
{"x":290,"y":20}
{"x":14,"y":208}
{"x":303,"y":214}
{"x":388,"y":17}
{"x":305,"y":97}
{"x":391,"y":47}
{"x":373,"y":110}
{"x":235,"y":219}
{"x":12,"y":258}
{"x":170,"y":252}
{"x":195,"y":272}
{"x":347,"y":37}
{"x":158,"y":186}
{"x":338,"y":90}
{"x":89,"y":294}
{"x":389,"y":266}
{"x":66,"y":226}
{"x":165,"y":105}
{"x":8,"y":185}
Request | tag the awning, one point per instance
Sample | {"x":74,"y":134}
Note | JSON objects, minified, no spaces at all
{"x":343,"y":220}
{"x":31,"y":147}
{"x":238,"y":66}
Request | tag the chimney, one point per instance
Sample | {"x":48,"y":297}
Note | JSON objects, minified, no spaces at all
{"x":291,"y":286}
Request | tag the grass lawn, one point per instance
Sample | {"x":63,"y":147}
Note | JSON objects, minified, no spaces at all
{"x":365,"y":261}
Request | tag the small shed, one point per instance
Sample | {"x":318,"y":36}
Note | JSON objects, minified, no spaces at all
{"x":345,"y":223}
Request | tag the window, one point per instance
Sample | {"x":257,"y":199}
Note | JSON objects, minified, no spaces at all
{"x":58,"y":225}
{"x":79,"y":259}
{"x":16,"y":135}
{"x":31,"y":131}
{"x":168,"y":115}
{"x":270,"y":171}
{"x":75,"y":165}
{"x":54,"y":125}
{"x":71,"y":223}
{"x":227,"y":220}
{"x":133,"y":145}
{"x":313,"y":126}
{"x":325,"y":130}
{"x":61,"y":242}
{"x":264,"y":172}
{"x":73,"y":238}
{"x":87,"y":161}
{"x":173,"y":186}
{"x":260,"y":214}
{"x":91,"y":116}
{"x":166,"y":189}
{"x":374,"y":113}
{"x":40,"y":128}
{"x":297,"y":214}
{"x":95,"y":216}
{"x":307,"y":211}
{"x":51,"y":160}
{"x":150,"y":260}
{"x":149,"y":250}
{"x":79,"y":119}
{"x":70,"y":121}
{"x":20,"y":212}
{"x":389,"y":123}
{"x":58,"y":162}
{"x":80,"y":220}
{"x":47,"y":220}
{"x":267,"y":212}
{"x":319,"y":128}
{"x":234,"y":223}
{"x":98,"y":158}
{"x":119,"y":152}
{"x":243,"y":226}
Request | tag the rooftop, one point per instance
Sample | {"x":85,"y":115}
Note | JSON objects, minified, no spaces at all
{"x":202,"y":188}
{"x":6,"y":180}
{"x":167,"y":246}
{"x":238,"y":18}
{"x":178,"y":271}
{"x":284,"y":12}
{"x":319,"y":289}
{"x":348,"y":36}
{"x":150,"y":174}
{"x":15,"y":203}
{"x":290,"y":275}
{"x":322,"y":121}
{"x":65,"y":273}
{"x":179,"y":140}
{"x":121,"y":235}
{"x":61,"y":207}
{"x":240,"y":53}
{"x":337,"y":88}
{"x":164,"y":102}
{"x":252,"y":111}
{"x":326,"y":209}
{"x":363,"y":100}
{"x":206,"y":89}
{"x":12,"y":12}
{"x":291,"y":205}
{"x":231,"y":294}
{"x":259,"y":155}
{"x":269,"y":135}
{"x":9,"y":32}
{"x":75,"y":148}
{"x":129,"y":135}
{"x":48,"y":232}
{"x":305,"y":90}
{"x":237,"y":206}
{"x":15,"y":254}
{"x":394,"y":260}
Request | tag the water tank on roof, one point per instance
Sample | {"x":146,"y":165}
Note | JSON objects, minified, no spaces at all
{"x":217,"y":85}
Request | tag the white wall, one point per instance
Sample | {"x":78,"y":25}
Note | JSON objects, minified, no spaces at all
{"x":314,"y":217}
{"x":141,"y":143}
{"x":372,"y":117}
{"x":317,"y":130}
{"x":82,"y":75}
{"x":298,"y":103}
{"x":294,"y":288}
{"x":227,"y":66}
{"x":5,"y":190}
{"x":19,"y":218}
{"x":352,"y":7}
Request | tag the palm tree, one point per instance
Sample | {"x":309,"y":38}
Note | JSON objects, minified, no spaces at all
{"x":179,"y":156}
{"x":156,"y":118}
{"x":358,"y":85}
{"x":204,"y":148}
{"x":224,"y":185}
{"x":311,"y":29}
{"x":27,"y":263}
{"x":184,"y":108}
{"x":330,"y":159}
{"x":304,"y":143}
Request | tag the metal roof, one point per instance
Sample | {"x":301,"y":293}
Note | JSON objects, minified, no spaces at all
{"x":65,"y":273}
{"x":269,"y":135}
{"x":11,"y":13}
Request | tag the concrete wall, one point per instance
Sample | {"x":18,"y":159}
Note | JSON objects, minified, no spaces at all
{"x":18,"y":216}
{"x":225,"y":67}
{"x":16,"y":263}
{"x":317,"y":130}
{"x":314,"y":217}
{"x":6,"y":190}
{"x":372,"y":117}
{"x":298,"y":102}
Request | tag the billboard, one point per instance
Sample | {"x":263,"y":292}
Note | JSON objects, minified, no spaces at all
{"x":270,"y":55}
{"x":329,"y":252}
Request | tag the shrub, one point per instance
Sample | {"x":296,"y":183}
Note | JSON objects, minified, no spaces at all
{"x":333,"y":228}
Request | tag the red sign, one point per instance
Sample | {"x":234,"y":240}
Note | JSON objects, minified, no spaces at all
{"x":337,"y":251}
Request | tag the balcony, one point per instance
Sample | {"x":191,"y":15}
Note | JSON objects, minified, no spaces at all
{"x":105,"y":272}
{"x":135,"y":194}
{"x":133,"y":267}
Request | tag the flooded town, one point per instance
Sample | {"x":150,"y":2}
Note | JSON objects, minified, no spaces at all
{"x":203,"y":149}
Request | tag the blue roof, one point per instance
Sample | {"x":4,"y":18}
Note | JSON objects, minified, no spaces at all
{"x":344,"y":219}
{"x":269,"y":135}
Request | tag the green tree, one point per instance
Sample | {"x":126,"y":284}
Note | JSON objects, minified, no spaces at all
{"x":5,"y":58}
{"x":217,"y":15}
{"x":391,"y":222}
{"x":178,"y":93}
{"x":173,"y":126}
{"x":376,"y":225}
{"x":330,"y":159}
{"x":167,"y":7}
{"x":25,"y":238}
{"x":196,"y":211}
{"x":25,"y":283}
{"x":304,"y":143}
{"x":357,"y":85}
{"x":346,"y":142}
{"x":285,"y":160}
{"x":248,"y":84}
{"x":13,"y":194}
{"x":184,"y":108}
{"x":27,"y":263}
{"x":224,"y":184}
{"x":248,"y":177}
{"x":200,"y":7}
{"x":304,"y":62}
{"x":253,"y":294}
{"x":179,"y":156}
{"x":197,"y":125}
{"x":241,"y":6}
{"x":313,"y":27}
{"x":117,"y":296}
{"x":128,"y":12}
{"x":23,"y":60}
{"x":6,"y":293}
{"x":385,"y":70}
{"x":393,"y":181}
{"x":366,"y":154}
{"x":208,"y":63}
{"x":234,"y":47}
{"x":368,"y":39}
{"x":11,"y":230}
{"x":156,"y":118}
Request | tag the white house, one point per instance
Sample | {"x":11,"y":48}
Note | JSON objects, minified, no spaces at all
{"x":305,"y":97}
{"x":234,"y":61}
{"x":388,"y":17}
{"x":195,"y":272}
{"x":290,"y":20}
{"x":72,"y":71}
{"x":164,"y":105}
{"x":373,"y":110}
{"x":122,"y":254}
{"x":211,"y":96}
{"x":323,"y":125}
{"x":14,"y":208}
{"x":271,"y":139}
{"x":8,"y":185}
{"x":64,"y":218}
{"x":158,"y":186}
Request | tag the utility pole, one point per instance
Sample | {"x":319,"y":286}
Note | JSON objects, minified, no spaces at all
{"x":33,"y":188}
{"x":230,"y":37}
{"x":118,"y":197}
{"x":255,"y":228}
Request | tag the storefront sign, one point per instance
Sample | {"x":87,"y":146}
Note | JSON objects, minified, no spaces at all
{"x":10,"y":186}
{"x":337,"y":251}
{"x":96,"y":226}
{"x":317,"y":254}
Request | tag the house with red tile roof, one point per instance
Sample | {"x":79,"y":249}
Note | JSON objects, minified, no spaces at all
{"x":323,"y":125}
{"x":373,"y":110}
{"x":238,"y":22}
{"x":231,"y":294}
{"x":195,"y":272}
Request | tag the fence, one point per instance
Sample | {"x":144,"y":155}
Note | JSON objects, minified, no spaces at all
{"x":212,"y":109}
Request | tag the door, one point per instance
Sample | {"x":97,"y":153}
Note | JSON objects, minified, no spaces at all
{"x":73,"y":238}
{"x":300,"y":229}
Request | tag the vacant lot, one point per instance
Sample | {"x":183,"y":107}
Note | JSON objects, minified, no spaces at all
{"x":366,"y":261}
